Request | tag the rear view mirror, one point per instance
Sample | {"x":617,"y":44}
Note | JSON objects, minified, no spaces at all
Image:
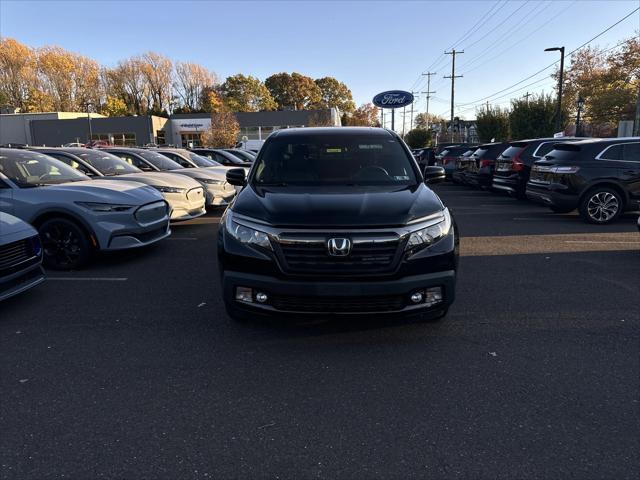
{"x":236,"y":177}
{"x":433,"y":175}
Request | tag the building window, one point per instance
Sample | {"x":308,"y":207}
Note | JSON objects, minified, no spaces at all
{"x":120,"y":139}
{"x":160,"y":139}
{"x":191,"y":140}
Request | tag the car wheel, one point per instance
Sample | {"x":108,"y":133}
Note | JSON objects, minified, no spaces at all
{"x":65,"y":245}
{"x":555,"y":209}
{"x":601,"y":205}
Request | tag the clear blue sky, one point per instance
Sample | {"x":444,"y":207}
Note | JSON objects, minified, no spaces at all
{"x":369,"y":45}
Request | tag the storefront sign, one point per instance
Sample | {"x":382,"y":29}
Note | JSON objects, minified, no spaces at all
{"x":393,"y":99}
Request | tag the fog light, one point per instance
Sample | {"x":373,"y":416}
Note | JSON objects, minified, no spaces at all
{"x":416,"y":297}
{"x":433,"y":296}
{"x":244,"y":294}
{"x":261,"y":297}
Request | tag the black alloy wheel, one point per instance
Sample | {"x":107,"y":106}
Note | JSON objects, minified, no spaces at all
{"x":65,"y":245}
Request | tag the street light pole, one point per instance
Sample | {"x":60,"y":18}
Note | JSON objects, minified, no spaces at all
{"x":579,"y":104}
{"x":87,"y":105}
{"x":560,"y":81}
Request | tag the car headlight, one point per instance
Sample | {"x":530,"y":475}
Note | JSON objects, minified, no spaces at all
{"x":163,"y":189}
{"x":105,"y":207}
{"x":210,"y":181}
{"x":429,"y":235}
{"x":245,"y":234}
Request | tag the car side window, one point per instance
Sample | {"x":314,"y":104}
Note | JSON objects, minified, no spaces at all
{"x":220,"y":159}
{"x":613,"y":152}
{"x":177,"y":158}
{"x":131,"y":160}
{"x":631,"y":152}
{"x":71,"y":162}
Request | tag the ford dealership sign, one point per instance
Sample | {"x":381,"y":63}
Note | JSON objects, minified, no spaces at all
{"x":393,"y":99}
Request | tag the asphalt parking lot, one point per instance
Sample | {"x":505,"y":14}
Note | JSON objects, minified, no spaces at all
{"x":130,"y":369}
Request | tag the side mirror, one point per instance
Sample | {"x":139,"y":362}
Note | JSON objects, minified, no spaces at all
{"x":433,"y":175}
{"x":236,"y":177}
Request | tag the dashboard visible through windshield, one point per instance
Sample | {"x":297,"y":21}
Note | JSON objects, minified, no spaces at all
{"x":334,"y":160}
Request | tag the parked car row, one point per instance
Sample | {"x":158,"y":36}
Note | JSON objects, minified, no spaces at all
{"x":82,"y":200}
{"x":598,"y":176}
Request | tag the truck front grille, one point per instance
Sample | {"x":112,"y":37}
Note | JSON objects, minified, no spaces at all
{"x":338,"y":304}
{"x":368,"y":255}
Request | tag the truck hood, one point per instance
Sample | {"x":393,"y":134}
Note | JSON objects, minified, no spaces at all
{"x":106,"y":191}
{"x":337,"y":207}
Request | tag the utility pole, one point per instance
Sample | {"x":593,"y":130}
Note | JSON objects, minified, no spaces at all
{"x":560,"y":79}
{"x":636,"y":124}
{"x":453,"y":77}
{"x":526,"y":97}
{"x":414,"y":100}
{"x":404,"y":112}
{"x":428,"y":93}
{"x":87,"y":105}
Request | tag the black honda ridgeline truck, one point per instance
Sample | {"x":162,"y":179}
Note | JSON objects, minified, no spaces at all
{"x":337,"y":221}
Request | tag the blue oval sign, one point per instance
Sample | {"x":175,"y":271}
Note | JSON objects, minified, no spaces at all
{"x":393,"y":99}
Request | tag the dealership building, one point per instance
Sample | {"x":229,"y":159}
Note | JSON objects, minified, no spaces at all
{"x":185,"y":130}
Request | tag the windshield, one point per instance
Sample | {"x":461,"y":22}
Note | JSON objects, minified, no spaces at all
{"x":231,"y":157}
{"x":331,"y":159}
{"x":106,"y":163}
{"x":159,"y":161}
{"x":31,"y":169}
{"x":202,"y":161}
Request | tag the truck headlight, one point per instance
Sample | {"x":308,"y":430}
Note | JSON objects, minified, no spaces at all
{"x":429,"y":235}
{"x":104,"y":207}
{"x":210,"y":181}
{"x":245,"y":234}
{"x":164,"y":189}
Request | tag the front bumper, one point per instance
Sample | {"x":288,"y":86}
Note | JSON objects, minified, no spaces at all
{"x":185,"y":206}
{"x":119,"y":231}
{"x":219,"y":195}
{"x":295,"y":297}
{"x":21,"y":281}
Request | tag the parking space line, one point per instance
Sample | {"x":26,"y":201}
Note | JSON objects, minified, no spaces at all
{"x":88,"y":279}
{"x":555,"y":243}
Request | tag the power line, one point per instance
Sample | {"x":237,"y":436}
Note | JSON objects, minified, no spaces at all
{"x":491,"y":30}
{"x":464,"y":36}
{"x":501,"y":40}
{"x":554,"y":63}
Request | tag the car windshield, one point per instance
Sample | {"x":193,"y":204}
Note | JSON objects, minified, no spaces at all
{"x":231,"y":157}
{"x":331,"y":159}
{"x":159,"y":161}
{"x":106,"y":163}
{"x":201,"y":161}
{"x":31,"y":169}
{"x":242,"y":155}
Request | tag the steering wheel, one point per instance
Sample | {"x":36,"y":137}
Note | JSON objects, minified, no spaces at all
{"x":372,"y":172}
